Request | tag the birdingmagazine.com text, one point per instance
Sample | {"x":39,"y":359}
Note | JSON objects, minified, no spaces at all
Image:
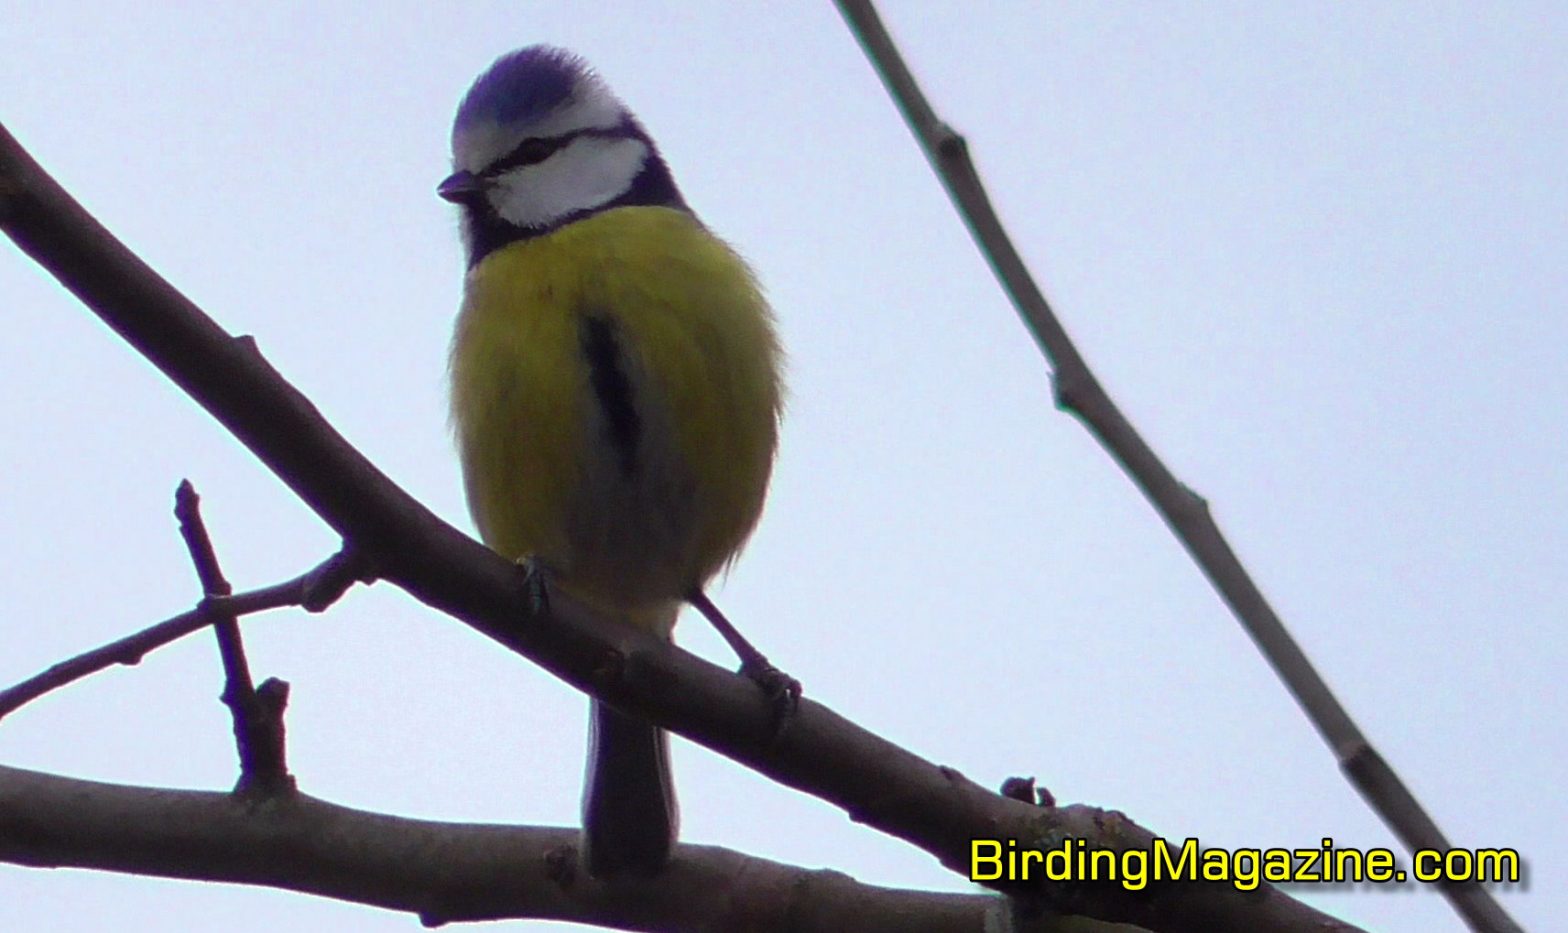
{"x":1075,"y":861}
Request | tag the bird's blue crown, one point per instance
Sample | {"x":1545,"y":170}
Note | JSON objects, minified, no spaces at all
{"x":523,"y":86}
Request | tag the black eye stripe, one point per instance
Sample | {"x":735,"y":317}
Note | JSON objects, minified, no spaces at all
{"x":536,"y":149}
{"x":530,"y":151}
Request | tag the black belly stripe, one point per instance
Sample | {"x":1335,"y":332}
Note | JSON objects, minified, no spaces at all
{"x":607,"y":373}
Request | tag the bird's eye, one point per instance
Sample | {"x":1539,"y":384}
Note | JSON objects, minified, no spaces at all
{"x":528,"y":152}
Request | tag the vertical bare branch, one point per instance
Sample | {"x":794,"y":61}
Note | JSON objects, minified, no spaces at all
{"x":257,"y":715}
{"x":1185,"y":512}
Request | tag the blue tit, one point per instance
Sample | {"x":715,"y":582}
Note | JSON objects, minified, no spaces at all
{"x":615,"y":383}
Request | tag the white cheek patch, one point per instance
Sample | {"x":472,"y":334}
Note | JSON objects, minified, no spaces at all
{"x":590,"y":172}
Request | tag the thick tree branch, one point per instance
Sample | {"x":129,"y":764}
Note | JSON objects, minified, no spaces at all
{"x":820,"y":752}
{"x":1186,"y":512}
{"x":447,"y":872}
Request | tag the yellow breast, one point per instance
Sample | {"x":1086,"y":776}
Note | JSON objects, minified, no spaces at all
{"x":636,"y":506}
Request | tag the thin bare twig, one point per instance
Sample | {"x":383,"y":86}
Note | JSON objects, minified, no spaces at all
{"x":239,"y":691}
{"x":313,"y":590}
{"x":1187,"y":513}
{"x":258,"y":716}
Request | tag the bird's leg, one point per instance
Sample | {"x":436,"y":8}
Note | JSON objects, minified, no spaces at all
{"x":782,"y":690}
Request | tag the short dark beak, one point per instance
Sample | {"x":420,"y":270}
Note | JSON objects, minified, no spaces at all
{"x":462,"y":188}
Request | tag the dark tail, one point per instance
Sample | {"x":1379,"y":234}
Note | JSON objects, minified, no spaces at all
{"x":629,"y":813}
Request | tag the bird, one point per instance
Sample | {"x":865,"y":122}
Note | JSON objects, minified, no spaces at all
{"x":616,"y":390}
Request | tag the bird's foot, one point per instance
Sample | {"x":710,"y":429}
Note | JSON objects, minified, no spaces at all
{"x":782,"y":690}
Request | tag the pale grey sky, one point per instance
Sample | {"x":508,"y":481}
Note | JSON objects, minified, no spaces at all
{"x":1315,"y":251}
